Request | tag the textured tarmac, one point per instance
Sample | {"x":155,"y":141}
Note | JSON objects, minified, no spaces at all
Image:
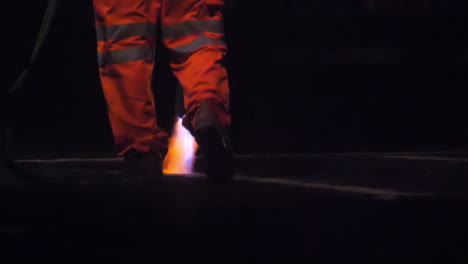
{"x":328,"y":208}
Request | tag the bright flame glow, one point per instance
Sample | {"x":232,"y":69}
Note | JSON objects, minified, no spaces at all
{"x":182,"y":148}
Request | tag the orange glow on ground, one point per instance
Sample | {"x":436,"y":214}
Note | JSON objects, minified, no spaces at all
{"x":182,"y":148}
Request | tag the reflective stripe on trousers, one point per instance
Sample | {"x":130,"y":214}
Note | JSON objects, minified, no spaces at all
{"x":126,"y":38}
{"x":124,"y":31}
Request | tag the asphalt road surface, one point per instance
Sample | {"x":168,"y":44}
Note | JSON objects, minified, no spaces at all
{"x":85,"y":212}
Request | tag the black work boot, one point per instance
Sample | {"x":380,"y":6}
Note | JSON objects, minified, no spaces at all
{"x":143,"y":167}
{"x":217,"y":160}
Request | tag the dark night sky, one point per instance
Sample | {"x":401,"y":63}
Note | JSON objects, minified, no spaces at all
{"x":326,"y":76}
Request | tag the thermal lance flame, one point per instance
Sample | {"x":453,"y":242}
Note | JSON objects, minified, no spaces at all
{"x":181,"y":154}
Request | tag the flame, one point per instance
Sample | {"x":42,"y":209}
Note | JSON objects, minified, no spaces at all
{"x":181,"y":153}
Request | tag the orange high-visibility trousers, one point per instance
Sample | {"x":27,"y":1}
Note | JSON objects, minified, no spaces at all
{"x":126,"y":34}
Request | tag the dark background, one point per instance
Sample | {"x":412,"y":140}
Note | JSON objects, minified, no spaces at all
{"x":306,"y":76}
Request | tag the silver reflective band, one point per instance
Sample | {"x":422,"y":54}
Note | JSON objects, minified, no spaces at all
{"x":192,"y":27}
{"x":125,"y":55}
{"x":125,"y":31}
{"x":196,"y":44}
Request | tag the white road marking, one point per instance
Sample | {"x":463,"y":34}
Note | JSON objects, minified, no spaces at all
{"x":65,"y":160}
{"x":337,"y":188}
{"x":344,"y":154}
{"x":386,"y":193}
{"x":427,"y":158}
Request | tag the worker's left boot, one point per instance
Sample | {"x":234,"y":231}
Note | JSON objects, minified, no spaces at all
{"x":217,"y":158}
{"x":143,"y":167}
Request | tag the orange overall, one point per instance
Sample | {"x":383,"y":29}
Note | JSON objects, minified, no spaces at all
{"x":193,"y":35}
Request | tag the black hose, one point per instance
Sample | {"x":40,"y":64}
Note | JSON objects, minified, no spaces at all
{"x":8,"y":103}
{"x":41,"y":38}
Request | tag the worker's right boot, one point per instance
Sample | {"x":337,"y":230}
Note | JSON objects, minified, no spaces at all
{"x":217,"y":160}
{"x":143,"y":167}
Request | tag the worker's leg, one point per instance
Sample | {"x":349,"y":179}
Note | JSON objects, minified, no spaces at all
{"x":193,"y":36}
{"x":126,"y":41}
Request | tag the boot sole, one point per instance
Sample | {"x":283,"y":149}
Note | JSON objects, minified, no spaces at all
{"x":217,"y":162}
